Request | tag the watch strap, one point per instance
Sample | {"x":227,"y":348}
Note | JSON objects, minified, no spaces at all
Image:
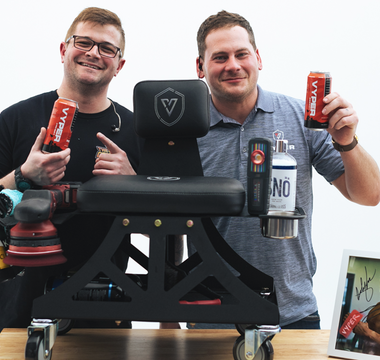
{"x":345,"y":148}
{"x":22,"y":183}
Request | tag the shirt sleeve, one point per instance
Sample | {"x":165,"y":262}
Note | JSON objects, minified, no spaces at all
{"x":324,"y":158}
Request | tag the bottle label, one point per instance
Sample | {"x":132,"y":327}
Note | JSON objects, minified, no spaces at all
{"x":283,"y":188}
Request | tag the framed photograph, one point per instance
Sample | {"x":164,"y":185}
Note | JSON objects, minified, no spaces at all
{"x":355,"y":329}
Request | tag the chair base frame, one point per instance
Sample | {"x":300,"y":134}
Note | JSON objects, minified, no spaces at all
{"x":246,"y":298}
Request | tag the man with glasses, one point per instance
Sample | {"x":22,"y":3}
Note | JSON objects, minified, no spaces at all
{"x":84,"y":43}
{"x":103,"y":142}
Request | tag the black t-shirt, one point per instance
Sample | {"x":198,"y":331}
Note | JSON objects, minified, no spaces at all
{"x":81,"y":235}
{"x":21,"y":123}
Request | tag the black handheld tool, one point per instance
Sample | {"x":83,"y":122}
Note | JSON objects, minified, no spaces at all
{"x":259,"y":172}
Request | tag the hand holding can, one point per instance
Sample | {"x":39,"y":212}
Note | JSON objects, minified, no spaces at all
{"x":318,"y":86}
{"x":60,"y":126}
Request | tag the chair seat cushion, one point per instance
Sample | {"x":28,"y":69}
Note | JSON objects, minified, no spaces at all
{"x":164,"y":195}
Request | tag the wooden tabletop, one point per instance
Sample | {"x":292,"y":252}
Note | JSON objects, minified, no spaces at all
{"x":148,"y":344}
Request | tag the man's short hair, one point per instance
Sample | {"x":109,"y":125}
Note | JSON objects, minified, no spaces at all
{"x":221,"y":20}
{"x":98,"y":16}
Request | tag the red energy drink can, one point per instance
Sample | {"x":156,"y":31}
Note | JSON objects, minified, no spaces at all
{"x":318,"y":86}
{"x":60,"y":126}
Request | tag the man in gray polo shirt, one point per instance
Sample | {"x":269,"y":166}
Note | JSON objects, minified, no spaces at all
{"x":240,"y":110}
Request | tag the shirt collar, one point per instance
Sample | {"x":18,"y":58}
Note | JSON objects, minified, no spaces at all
{"x":264,"y":102}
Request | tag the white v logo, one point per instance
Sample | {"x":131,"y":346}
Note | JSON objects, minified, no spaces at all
{"x":169,"y":105}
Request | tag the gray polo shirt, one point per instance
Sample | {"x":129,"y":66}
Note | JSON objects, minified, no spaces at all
{"x":224,"y":152}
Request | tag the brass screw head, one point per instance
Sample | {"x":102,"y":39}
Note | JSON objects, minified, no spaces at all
{"x":125,"y":222}
{"x":158,"y":223}
{"x":189,"y":223}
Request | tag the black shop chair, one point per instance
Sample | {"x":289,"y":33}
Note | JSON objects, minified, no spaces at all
{"x":169,"y":197}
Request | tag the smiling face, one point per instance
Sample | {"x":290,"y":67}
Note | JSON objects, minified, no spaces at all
{"x":231,"y":65}
{"x":87,"y":69}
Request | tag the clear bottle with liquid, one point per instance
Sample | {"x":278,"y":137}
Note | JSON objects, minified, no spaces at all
{"x":284,"y":179}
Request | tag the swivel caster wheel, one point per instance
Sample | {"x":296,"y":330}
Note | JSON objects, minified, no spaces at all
{"x":34,"y":349}
{"x":65,"y":325}
{"x":265,"y":351}
{"x":241,"y":328}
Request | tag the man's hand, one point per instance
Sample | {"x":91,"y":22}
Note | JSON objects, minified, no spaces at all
{"x":45,"y":169}
{"x":343,"y":119}
{"x":362,"y":329}
{"x":114,"y":163}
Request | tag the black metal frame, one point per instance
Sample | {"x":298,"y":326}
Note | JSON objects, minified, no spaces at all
{"x":242,"y":301}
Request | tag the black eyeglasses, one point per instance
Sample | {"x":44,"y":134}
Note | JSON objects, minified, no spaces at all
{"x":105,"y":49}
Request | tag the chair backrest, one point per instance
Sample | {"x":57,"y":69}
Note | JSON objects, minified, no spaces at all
{"x":170,"y":116}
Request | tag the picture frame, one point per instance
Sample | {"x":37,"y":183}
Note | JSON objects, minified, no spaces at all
{"x":355,"y":329}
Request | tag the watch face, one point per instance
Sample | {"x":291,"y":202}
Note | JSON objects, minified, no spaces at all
{"x":23,"y":185}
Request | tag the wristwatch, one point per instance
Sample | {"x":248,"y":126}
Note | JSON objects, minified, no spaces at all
{"x":22,"y":183}
{"x":346,"y":147}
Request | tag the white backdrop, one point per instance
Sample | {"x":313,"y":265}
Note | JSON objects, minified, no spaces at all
{"x":293,"y":37}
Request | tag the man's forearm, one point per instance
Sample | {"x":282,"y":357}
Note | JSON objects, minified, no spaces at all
{"x":362,"y":177}
{"x":8,"y":181}
{"x":362,"y":329}
{"x":373,"y":335}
